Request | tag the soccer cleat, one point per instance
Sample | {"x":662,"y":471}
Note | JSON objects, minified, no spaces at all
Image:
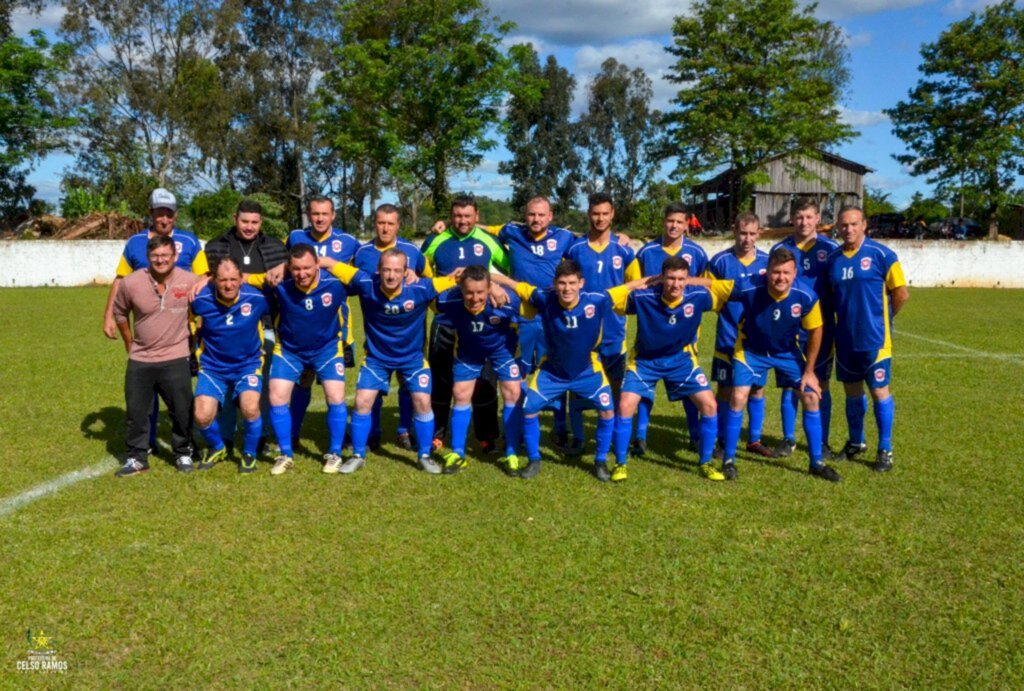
{"x":531,"y":470}
{"x":826,"y":473}
{"x":710,"y":472}
{"x":132,"y":466}
{"x":332,"y":463}
{"x":512,"y":463}
{"x":282,"y":464}
{"x":404,"y":441}
{"x":785,"y":449}
{"x":560,"y":440}
{"x":575,"y":448}
{"x":354,"y":463}
{"x":729,"y":470}
{"x":248,"y":464}
{"x":853,"y":449}
{"x":601,"y":472}
{"x":184,"y":464}
{"x":453,"y":463}
{"x":638,"y":449}
{"x":883,"y":462}
{"x":429,"y":465}
{"x":759,"y":449}
{"x":620,"y":473}
{"x":212,"y":458}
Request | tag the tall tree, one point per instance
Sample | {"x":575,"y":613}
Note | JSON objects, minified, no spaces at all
{"x":539,"y":132}
{"x":758,"y":78}
{"x":964,"y":121}
{"x":620,"y":136}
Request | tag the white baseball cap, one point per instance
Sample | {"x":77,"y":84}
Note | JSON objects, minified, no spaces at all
{"x":162,"y":199}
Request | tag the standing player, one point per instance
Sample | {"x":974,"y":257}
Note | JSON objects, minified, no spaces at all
{"x":868,"y":290}
{"x":307,"y":305}
{"x":812,"y":251}
{"x":486,"y":336}
{"x":604,"y":264}
{"x":740,"y":263}
{"x":230,"y":353}
{"x":394,"y":323}
{"x":386,"y":222}
{"x":667,"y":320}
{"x":774,"y":311}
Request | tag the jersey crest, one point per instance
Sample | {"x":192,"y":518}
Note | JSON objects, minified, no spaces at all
{"x":245,"y":309}
{"x":589,"y":311}
{"x":326,"y":299}
{"x":478,"y":250}
{"x":408,"y":305}
{"x":688,"y":310}
{"x":617,"y":262}
{"x":865,"y":264}
{"x":822,"y":255}
{"x":552,"y":244}
{"x":795,"y":310}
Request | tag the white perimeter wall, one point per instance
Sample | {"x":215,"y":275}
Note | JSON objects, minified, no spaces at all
{"x":926,"y":264}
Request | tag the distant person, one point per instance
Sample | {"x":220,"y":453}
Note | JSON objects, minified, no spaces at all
{"x":960,"y":231}
{"x":695,"y":228}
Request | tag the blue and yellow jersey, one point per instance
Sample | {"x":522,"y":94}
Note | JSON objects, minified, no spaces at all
{"x":335,"y":244}
{"x":367,"y":257}
{"x":306,"y":321}
{"x":651,"y":256}
{"x":491,"y":330}
{"x":860,"y":283}
{"x":604,"y":267}
{"x":812,"y":262}
{"x":533,"y":259}
{"x":230,"y":336}
{"x":772,"y":327}
{"x":134,"y":255}
{"x":726,"y":266}
{"x":394,"y":323}
{"x":665,"y":328}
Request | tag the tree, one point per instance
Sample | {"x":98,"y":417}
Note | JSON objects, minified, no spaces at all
{"x":620,"y":137}
{"x":31,"y":121}
{"x":877,"y":202}
{"x":928,"y":208}
{"x":963,"y":123}
{"x":757,"y":79}
{"x":539,"y":133}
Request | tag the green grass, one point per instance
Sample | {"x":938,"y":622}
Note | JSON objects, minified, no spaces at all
{"x":395,"y":578}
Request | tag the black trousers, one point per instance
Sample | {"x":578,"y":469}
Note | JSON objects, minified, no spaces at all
{"x":441,"y":356}
{"x":172,"y":381}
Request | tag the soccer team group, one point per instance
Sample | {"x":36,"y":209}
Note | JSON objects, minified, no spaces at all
{"x":528,"y":311}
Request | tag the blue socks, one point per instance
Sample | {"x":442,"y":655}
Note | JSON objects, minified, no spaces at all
{"x":461,"y":415}
{"x":423,"y":423}
{"x":856,"y":409}
{"x":603,"y":437}
{"x":709,"y":435}
{"x":301,"y":397}
{"x":337,"y":416}
{"x":643,"y":419}
{"x":788,"y":410}
{"x":812,"y":428}
{"x":211,"y":435}
{"x":755,"y":409}
{"x":733,"y":426}
{"x":281,"y":421}
{"x":692,"y":420}
{"x":360,"y":431}
{"x":620,"y":438}
{"x":825,"y":408}
{"x":512,"y":423}
{"x":251,"y":440}
{"x":531,"y":437}
{"x":885,"y":411}
{"x":404,"y":413}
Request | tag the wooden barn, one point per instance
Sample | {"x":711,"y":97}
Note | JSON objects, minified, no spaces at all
{"x":834,"y":180}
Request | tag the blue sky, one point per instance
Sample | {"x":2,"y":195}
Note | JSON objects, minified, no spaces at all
{"x":884,"y":38}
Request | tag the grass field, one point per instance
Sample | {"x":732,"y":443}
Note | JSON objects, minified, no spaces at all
{"x":392,"y":578}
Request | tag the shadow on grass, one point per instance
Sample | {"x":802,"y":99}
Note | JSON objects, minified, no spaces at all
{"x":106,"y":425}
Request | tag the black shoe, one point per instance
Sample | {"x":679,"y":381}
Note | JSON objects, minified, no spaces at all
{"x":575,"y":448}
{"x":247,"y":465}
{"x":785,"y":449}
{"x":827,"y":454}
{"x":729,"y":470}
{"x":759,"y":449}
{"x":853,"y":449}
{"x":638,"y":449}
{"x":560,"y":441}
{"x":404,"y":441}
{"x":825,"y":473}
{"x":132,"y":466}
{"x":883,"y":462}
{"x":601,"y":472}
{"x":531,"y":470}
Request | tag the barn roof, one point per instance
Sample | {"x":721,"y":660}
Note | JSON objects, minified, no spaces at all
{"x":719,"y":183}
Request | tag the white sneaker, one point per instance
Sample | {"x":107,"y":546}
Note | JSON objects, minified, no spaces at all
{"x":352,"y":465}
{"x":332,"y":463}
{"x":282,"y":464}
{"x":429,"y":465}
{"x":184,"y":464}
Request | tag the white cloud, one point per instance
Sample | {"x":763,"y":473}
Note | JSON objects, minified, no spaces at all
{"x":960,"y":8}
{"x":863,"y":118}
{"x":651,"y":56}
{"x":542,"y":47}
{"x":841,"y":9}
{"x":48,"y":20}
{"x":885,"y":183}
{"x":858,"y":40}
{"x":575,"y":22}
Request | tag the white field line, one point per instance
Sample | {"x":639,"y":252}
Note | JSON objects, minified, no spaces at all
{"x":1017,"y":359}
{"x":11,"y":504}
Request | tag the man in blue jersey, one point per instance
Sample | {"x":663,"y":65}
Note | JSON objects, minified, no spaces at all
{"x":486,"y":337}
{"x":674,"y":242}
{"x":394,"y":324}
{"x":604,"y":264}
{"x":307,"y":307}
{"x":573,"y":325}
{"x":868,"y":289}
{"x":740,"y":263}
{"x":327,"y":241}
{"x":812,"y":251}
{"x":229,"y":333}
{"x":667,"y":320}
{"x":386,"y":223}
{"x":773,"y":312}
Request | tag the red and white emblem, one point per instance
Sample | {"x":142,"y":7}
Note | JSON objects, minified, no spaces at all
{"x":822,"y":255}
{"x":478,"y":250}
{"x":702,"y":380}
{"x":253,"y":380}
{"x":688,"y":258}
{"x":617,"y":262}
{"x":178,"y":247}
{"x":424,"y":380}
{"x":513,"y":370}
{"x":879,"y":375}
{"x":245,"y":309}
{"x":865,"y":263}
{"x":552,"y":244}
{"x":326,"y":299}
{"x":796,"y":310}
{"x":605,"y":399}
{"x":408,"y":305}
{"x":762,"y":272}
{"x":495,"y":319}
{"x":339,"y":367}
{"x":179,"y":292}
{"x":588,"y":311}
{"x":687,"y":310}
{"x":336,"y":246}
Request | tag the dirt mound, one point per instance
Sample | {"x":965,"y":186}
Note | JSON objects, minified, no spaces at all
{"x":45,"y":226}
{"x":100,"y":226}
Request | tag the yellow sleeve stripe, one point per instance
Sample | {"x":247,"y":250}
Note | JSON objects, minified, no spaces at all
{"x":123,"y":268}
{"x":200,"y":265}
{"x":812,"y":320}
{"x":721,"y":291}
{"x":619,"y":296}
{"x":344,"y":272}
{"x":524,"y":291}
{"x":895,"y":278}
{"x":257,"y":280}
{"x":444,"y":283}
{"x":633,"y":272}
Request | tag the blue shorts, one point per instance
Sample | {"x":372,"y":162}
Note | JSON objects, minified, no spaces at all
{"x":682,"y":378}
{"x":532,"y":346}
{"x":376,"y":376}
{"x":504,"y":365}
{"x":217,"y":384}
{"x":751,"y":369}
{"x":874,"y":367}
{"x":721,"y":368}
{"x":545,"y":390}
{"x":329,"y":364}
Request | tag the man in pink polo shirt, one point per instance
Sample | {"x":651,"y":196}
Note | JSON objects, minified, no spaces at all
{"x":156,"y":299}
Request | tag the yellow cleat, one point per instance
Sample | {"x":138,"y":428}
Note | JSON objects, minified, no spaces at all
{"x":512,"y":463}
{"x":710,"y":472}
{"x":620,"y":473}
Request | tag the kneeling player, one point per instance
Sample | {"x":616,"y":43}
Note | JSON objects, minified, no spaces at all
{"x":230,"y":355}
{"x":486,"y":334}
{"x":667,"y":319}
{"x":774,"y":311}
